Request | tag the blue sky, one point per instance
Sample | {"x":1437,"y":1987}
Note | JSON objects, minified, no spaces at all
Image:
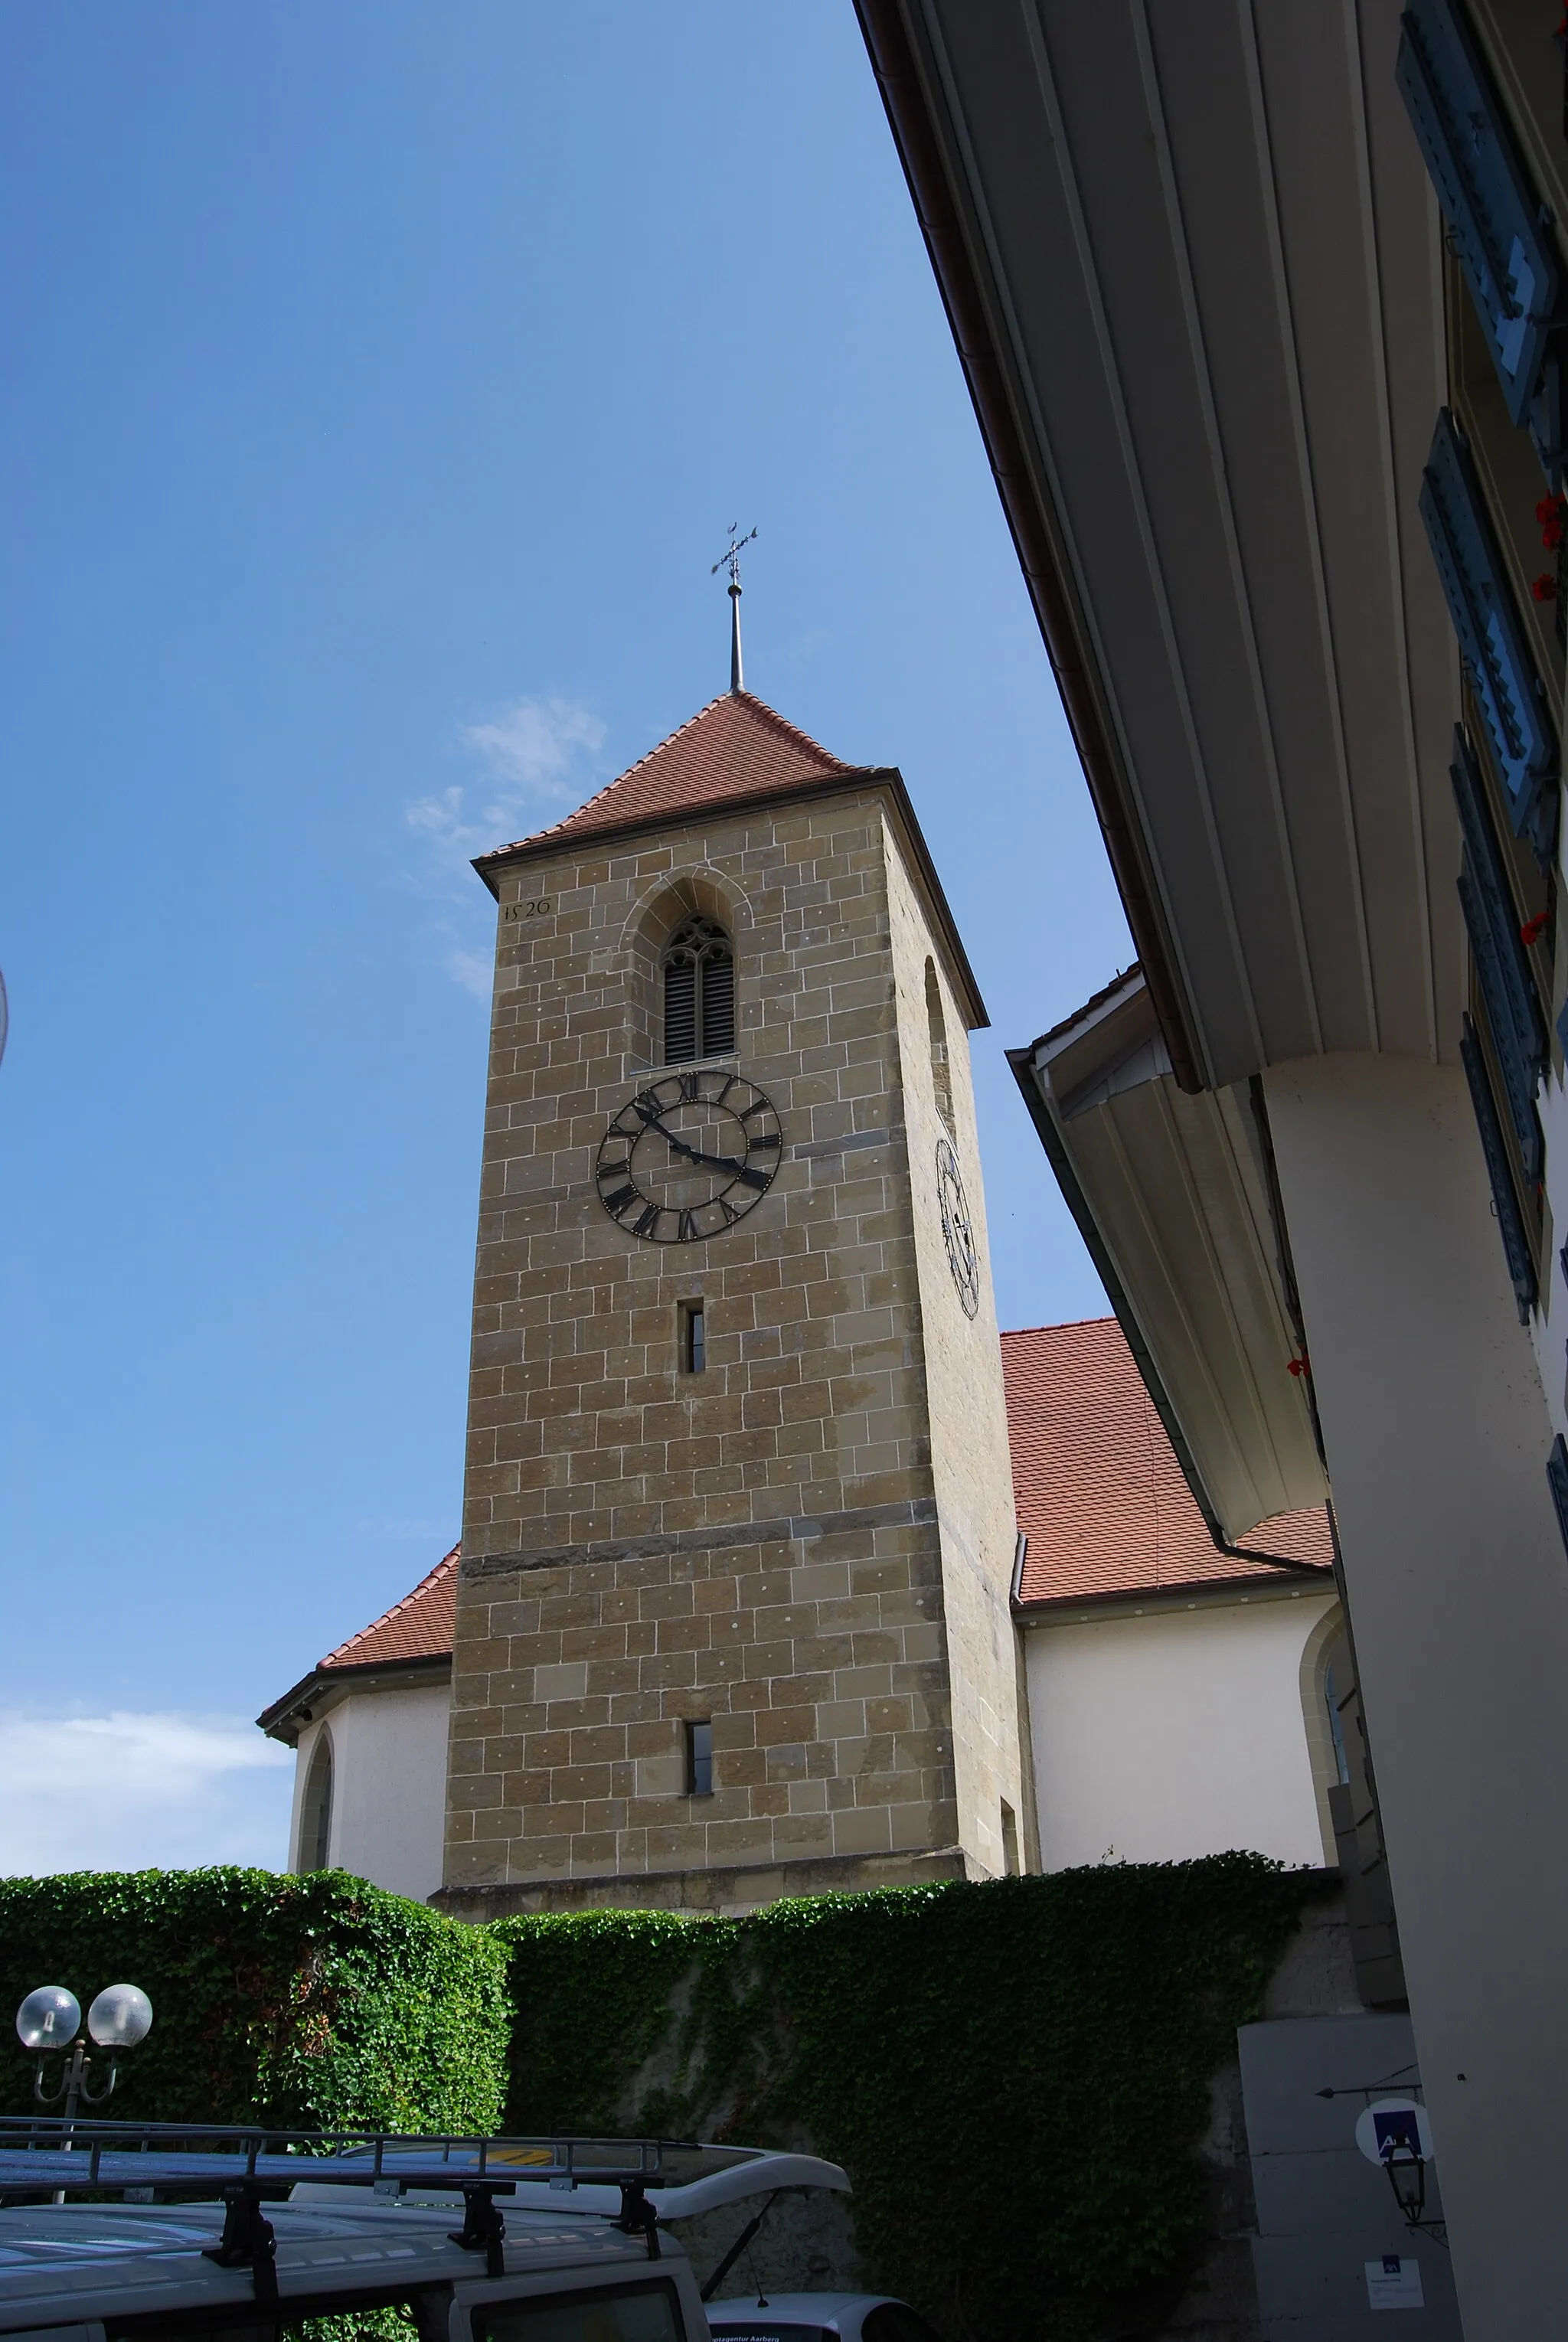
{"x":379,"y":382}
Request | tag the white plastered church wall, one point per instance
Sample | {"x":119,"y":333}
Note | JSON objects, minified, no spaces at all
{"x":1165,"y":1736}
{"x":389,"y":1786}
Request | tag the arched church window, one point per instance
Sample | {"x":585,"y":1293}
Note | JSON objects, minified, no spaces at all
{"x":940,"y":1066}
{"x":699,"y":993}
{"x":316,"y":1811}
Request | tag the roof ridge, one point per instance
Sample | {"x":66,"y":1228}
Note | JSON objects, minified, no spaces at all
{"x":755,"y":707}
{"x":1057,"y":1325}
{"x":448,"y":1563}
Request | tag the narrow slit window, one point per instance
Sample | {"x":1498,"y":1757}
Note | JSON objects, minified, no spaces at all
{"x":694,"y":1339}
{"x":699,"y":1760}
{"x":1010,"y":1841}
{"x":940,"y":1065}
{"x":699,"y":993}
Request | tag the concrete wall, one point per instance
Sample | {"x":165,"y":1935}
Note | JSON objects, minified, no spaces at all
{"x":1323,"y":2213}
{"x":389,"y":1786}
{"x":1437,"y":1434}
{"x":1176,"y":1733}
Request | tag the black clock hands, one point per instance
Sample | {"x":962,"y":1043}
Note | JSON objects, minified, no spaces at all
{"x":678,"y":1145}
{"x":633,"y":1194}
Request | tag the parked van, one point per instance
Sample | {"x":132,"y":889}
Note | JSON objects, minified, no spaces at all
{"x":122,"y":2233}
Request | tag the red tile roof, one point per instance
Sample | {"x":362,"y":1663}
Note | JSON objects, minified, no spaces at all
{"x":734,"y":749}
{"x":1098,"y":1489}
{"x":420,"y":1626}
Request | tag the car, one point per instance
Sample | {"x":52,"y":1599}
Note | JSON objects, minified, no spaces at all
{"x":559,"y":2241}
{"x":818,"y":2317}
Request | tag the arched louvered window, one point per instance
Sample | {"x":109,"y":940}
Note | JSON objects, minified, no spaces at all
{"x":316,"y":1810}
{"x":699,"y":993}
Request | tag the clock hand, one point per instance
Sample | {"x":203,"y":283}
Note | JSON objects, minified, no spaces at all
{"x":652,"y":1122}
{"x":679,"y":1146}
{"x":719,"y":1161}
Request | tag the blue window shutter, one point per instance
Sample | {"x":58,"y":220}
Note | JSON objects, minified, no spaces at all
{"x":1510,"y":1226}
{"x":1557,"y":1480}
{"x":1491,"y":642}
{"x":1494,"y":214}
{"x":1507,"y":986}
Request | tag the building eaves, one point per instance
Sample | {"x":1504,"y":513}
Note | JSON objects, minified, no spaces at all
{"x":1184,"y":1594}
{"x":907,"y":77}
{"x":1122,"y":981}
{"x":281,"y":1720}
{"x":1100,"y":1494}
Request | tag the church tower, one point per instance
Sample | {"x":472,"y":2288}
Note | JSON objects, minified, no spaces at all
{"x":732,"y":1618}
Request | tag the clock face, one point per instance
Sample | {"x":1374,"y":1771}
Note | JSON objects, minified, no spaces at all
{"x":962,"y":1252}
{"x":688,"y":1156}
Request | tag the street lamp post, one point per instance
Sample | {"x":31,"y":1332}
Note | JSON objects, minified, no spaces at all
{"x":50,"y":2019}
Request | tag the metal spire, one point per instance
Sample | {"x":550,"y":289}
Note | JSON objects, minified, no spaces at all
{"x":730,"y":559}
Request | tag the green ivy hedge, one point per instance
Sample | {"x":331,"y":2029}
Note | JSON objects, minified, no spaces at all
{"x":1015,"y":2075}
{"x":311,"y":2002}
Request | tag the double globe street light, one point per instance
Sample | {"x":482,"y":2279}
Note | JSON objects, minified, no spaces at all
{"x":51,"y":2018}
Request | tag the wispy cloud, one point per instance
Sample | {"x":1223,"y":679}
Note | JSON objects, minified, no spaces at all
{"x":529,"y":758}
{"x":131,"y":1791}
{"x":534,"y":743}
{"x":532,"y":761}
{"x":473,"y":970}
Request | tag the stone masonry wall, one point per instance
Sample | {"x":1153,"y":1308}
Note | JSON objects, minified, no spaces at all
{"x":971,"y":1464}
{"x":758,"y":1544}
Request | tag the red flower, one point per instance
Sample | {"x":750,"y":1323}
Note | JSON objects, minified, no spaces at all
{"x":1545,"y":587}
{"x":1533,"y":928}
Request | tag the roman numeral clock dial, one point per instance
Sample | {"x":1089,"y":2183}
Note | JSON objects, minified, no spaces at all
{"x":957,"y":1228}
{"x":688,"y":1156}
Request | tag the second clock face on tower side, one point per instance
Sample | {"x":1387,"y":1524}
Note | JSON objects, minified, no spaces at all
{"x":957,"y":1232}
{"x":688,"y":1156}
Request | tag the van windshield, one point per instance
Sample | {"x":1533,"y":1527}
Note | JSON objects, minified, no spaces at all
{"x":625,"y":2313}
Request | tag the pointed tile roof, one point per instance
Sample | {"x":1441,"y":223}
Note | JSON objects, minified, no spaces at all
{"x":420,"y":1626}
{"x":1098,"y":1490}
{"x":734,"y":751}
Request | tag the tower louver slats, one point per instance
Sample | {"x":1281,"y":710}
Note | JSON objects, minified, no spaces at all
{"x":718,"y":1035}
{"x":699,"y":993}
{"x":680,"y":1010}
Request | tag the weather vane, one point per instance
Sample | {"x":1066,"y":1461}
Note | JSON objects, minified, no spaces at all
{"x":730,"y":559}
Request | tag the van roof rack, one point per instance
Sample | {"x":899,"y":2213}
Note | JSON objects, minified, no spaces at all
{"x":246,"y":2165}
{"x":40,"y":2152}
